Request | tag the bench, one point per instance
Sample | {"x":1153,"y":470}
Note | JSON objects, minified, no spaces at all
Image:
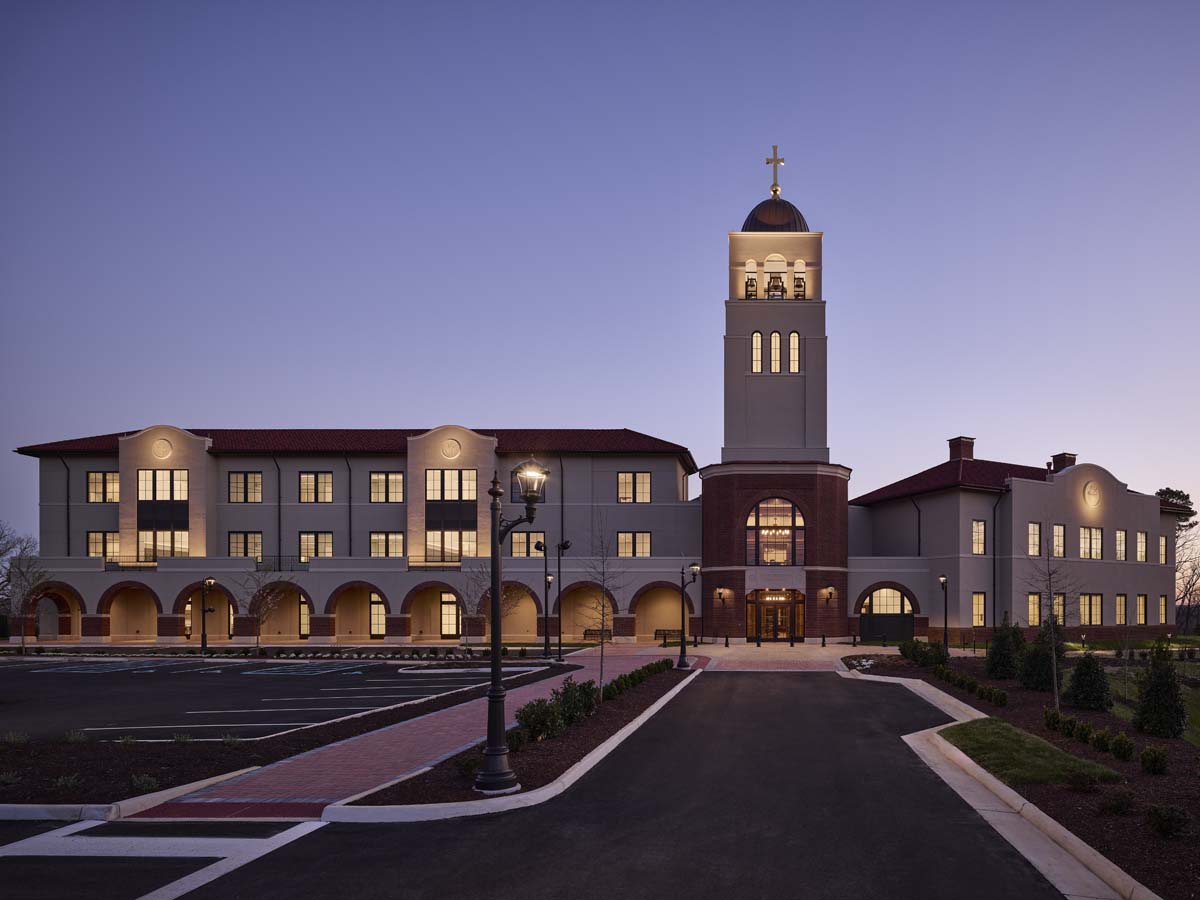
{"x":663,"y":635}
{"x":597,"y":634}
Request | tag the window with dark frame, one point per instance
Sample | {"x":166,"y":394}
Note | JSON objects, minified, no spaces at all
{"x":633,"y":487}
{"x":387,"y":543}
{"x":775,"y":534}
{"x":245,"y":487}
{"x":633,"y":544}
{"x":387,"y":487}
{"x":104,"y":544}
{"x":524,"y":543}
{"x":378,"y":616}
{"x":104,"y":487}
{"x":246,"y":543}
{"x":315,"y":544}
{"x":316,"y":487}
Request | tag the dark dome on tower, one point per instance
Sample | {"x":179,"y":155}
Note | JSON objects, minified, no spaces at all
{"x":775,"y":214}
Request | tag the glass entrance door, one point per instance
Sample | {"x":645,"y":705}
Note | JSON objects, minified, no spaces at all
{"x":775,"y":621}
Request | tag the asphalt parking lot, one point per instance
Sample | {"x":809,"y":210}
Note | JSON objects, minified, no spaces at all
{"x":156,"y":699}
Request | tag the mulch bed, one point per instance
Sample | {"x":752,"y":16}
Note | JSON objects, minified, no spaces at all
{"x":105,"y":769}
{"x":1168,"y":866}
{"x":537,"y":764}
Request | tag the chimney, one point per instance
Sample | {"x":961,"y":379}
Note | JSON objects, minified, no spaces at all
{"x":1060,"y":461}
{"x":962,"y":447}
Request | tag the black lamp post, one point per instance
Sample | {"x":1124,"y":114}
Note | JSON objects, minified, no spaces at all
{"x":496,"y":776}
{"x":943,"y":580}
{"x":547,"y":581}
{"x":694,"y":568}
{"x":563,"y":547}
{"x":205,"y":586}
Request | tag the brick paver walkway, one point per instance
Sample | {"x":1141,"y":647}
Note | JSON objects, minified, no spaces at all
{"x":302,"y":786}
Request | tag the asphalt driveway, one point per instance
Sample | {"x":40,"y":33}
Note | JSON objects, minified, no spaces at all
{"x":746,"y":785}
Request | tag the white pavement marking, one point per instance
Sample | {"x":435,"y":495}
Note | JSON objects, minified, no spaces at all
{"x":221,"y":712}
{"x":371,"y":697}
{"x":219,"y":725}
{"x":233,"y":852}
{"x":405,"y":687}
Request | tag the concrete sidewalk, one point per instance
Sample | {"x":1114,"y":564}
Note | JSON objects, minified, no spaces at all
{"x":302,"y":786}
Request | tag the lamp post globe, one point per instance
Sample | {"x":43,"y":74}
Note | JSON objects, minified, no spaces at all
{"x":496,"y":776}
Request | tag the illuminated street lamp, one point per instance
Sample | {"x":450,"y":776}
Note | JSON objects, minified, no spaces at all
{"x":694,"y":568}
{"x":205,"y":586}
{"x":942,"y":580}
{"x":496,"y":776}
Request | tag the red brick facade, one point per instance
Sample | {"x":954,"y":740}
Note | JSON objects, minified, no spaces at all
{"x":728,"y":498}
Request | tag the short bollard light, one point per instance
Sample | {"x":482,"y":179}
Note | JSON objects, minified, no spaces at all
{"x":822,"y":640}
{"x":727,"y":639}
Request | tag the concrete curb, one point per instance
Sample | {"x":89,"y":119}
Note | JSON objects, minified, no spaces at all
{"x":427,"y":812}
{"x":1095,"y":862}
{"x":106,"y":812}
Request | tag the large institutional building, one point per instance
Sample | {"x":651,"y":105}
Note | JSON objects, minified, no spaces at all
{"x":360,"y":536}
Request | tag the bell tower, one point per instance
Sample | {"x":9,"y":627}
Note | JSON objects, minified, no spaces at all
{"x":775,"y":341}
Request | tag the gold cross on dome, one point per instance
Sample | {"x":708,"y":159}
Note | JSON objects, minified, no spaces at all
{"x":775,"y":161}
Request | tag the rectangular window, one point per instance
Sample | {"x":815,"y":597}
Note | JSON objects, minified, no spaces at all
{"x":1091,"y":543}
{"x":633,"y":487}
{"x":155,"y":544}
{"x":1059,"y":540}
{"x":246,"y":543}
{"x":1034,"y":605}
{"x":449,"y":546}
{"x":387,"y":543}
{"x":978,"y":537}
{"x":387,"y":487}
{"x":1090,"y":606}
{"x":305,"y":623}
{"x":1162,"y":549}
{"x":1121,"y":609}
{"x":245,"y":487}
{"x":104,"y":544}
{"x":450,"y":484}
{"x":450,"y":626}
{"x":1162,"y":609}
{"x":315,"y":543}
{"x":633,"y":543}
{"x":378,"y":616}
{"x":1121,"y":545}
{"x":162,"y":484}
{"x":1141,"y":609}
{"x":1034,"y":545}
{"x":1141,"y":546}
{"x":978,"y":609}
{"x":1060,"y":609}
{"x":316,"y":487}
{"x":524,"y":543}
{"x":104,"y":487}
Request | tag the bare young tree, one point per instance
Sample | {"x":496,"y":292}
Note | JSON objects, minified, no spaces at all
{"x":1050,"y":577}
{"x":477,"y":577}
{"x":603,"y":571}
{"x":23,"y":578}
{"x":263,"y":593}
{"x":1187,"y":580}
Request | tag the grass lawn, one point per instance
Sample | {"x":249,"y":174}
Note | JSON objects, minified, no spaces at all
{"x":1124,"y":691}
{"x":1177,"y":641}
{"x":1017,"y":757}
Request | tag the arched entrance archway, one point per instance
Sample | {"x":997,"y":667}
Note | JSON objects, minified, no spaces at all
{"x":55,"y":615}
{"x":360,"y":611}
{"x":133,"y":610}
{"x":655,"y":609}
{"x":435,"y":613}
{"x":283,"y":612}
{"x":519,"y":611}
{"x":219,"y":622}
{"x":582,"y":609}
{"x":886,"y":610}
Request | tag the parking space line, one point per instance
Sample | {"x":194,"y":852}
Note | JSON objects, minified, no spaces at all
{"x":221,"y":712}
{"x":193,"y":725}
{"x":372,"y":697}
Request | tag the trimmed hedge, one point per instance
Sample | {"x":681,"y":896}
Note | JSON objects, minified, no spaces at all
{"x":573,"y":701}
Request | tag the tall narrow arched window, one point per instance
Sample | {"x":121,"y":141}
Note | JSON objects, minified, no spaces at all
{"x":756,"y":352}
{"x":775,"y":534}
{"x":775,"y":350}
{"x":794,"y":353}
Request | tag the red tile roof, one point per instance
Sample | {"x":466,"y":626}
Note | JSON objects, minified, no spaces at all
{"x":977,"y":474}
{"x":390,"y":440}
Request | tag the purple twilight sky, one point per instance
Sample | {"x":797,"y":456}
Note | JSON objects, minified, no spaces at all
{"x":401,"y":215}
